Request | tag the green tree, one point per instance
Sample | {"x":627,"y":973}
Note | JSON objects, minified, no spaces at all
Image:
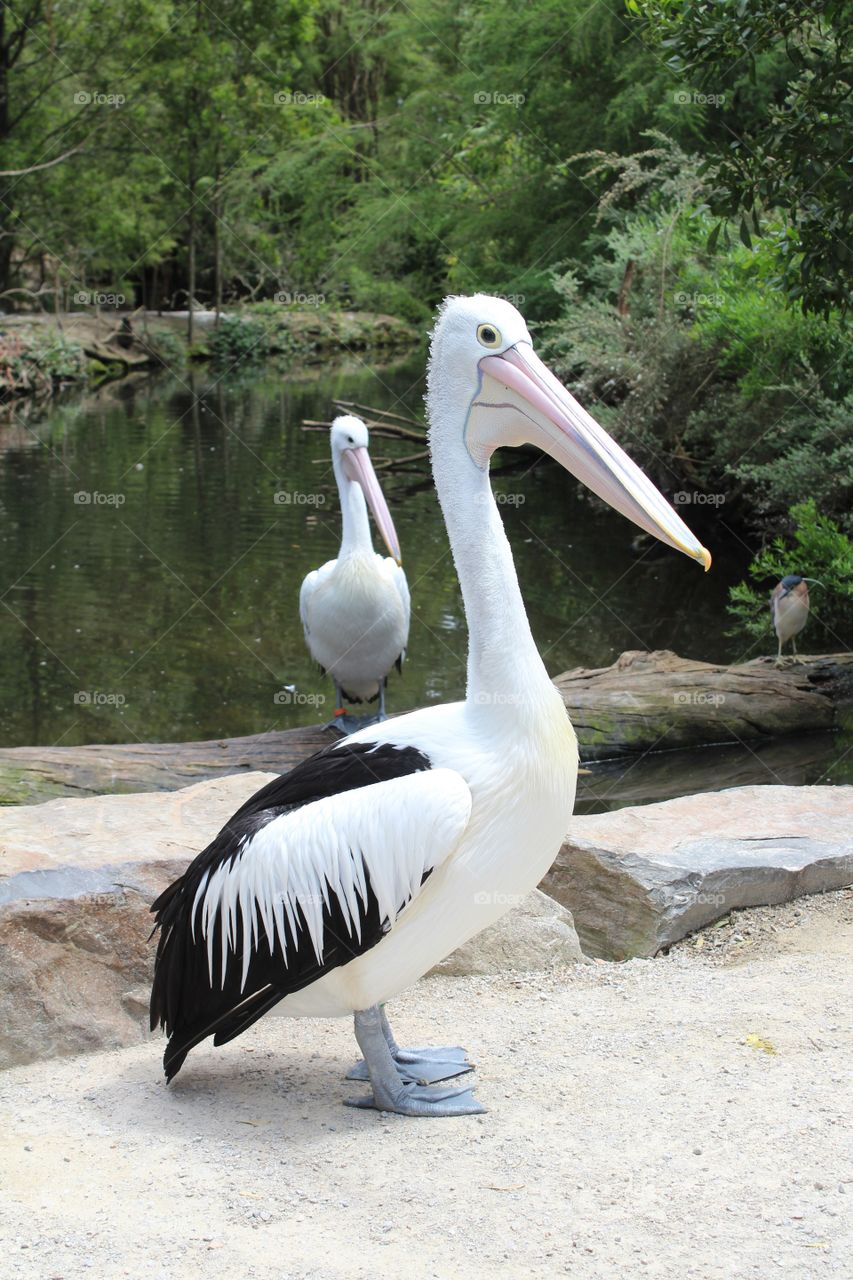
{"x":794,"y":155}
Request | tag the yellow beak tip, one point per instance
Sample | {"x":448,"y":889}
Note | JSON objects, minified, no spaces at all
{"x":705,"y":558}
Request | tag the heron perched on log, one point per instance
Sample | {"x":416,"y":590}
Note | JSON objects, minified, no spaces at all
{"x":341,"y":883}
{"x":355,"y":609}
{"x":789,"y":609}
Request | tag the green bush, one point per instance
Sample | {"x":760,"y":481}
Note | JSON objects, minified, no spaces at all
{"x":698,"y":365}
{"x":386,"y":296}
{"x":34,"y":360}
{"x":239,"y":339}
{"x":168,"y":347}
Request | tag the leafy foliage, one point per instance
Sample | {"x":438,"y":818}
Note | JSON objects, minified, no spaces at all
{"x":694,"y":361}
{"x":377,"y":156}
{"x":238,"y":339}
{"x":35,"y":361}
{"x":794,"y":156}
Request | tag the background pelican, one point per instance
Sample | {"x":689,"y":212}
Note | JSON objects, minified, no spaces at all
{"x":789,"y":609}
{"x":355,"y":609}
{"x":341,"y":883}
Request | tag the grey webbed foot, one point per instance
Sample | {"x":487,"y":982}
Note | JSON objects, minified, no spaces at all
{"x":420,"y":1100}
{"x":346,"y":723}
{"x":422,"y":1066}
{"x":401,"y":1077}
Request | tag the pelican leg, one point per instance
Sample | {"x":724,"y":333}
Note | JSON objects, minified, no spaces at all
{"x":390,"y":1091}
{"x":342,"y":721}
{"x":418,"y":1066}
{"x":382,"y":684}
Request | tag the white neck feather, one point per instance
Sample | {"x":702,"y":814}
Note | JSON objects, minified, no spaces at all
{"x":355,"y":521}
{"x":504,"y":666}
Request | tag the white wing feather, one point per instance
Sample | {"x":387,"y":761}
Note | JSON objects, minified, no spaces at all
{"x":394,"y":831}
{"x":306,"y":591}
{"x":402,"y":585}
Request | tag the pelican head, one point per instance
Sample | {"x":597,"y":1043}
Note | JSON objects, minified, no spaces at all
{"x":352,"y":465}
{"x":482,"y":355}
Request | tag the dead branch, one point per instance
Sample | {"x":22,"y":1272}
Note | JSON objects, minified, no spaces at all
{"x":388,"y":430}
{"x":385,"y":464}
{"x":406,"y":418}
{"x":36,"y":168}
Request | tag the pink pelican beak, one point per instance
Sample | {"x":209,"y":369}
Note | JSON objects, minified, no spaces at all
{"x":358,"y":467}
{"x":553,"y":420}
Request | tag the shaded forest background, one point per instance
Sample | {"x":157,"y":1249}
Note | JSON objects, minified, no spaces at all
{"x":661,"y":187}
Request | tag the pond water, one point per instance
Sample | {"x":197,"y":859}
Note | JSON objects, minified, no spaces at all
{"x":150,"y":577}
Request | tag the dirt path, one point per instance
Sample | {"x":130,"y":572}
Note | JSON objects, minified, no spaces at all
{"x":680,"y":1117}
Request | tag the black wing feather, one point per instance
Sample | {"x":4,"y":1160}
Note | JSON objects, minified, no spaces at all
{"x":183,"y":1000}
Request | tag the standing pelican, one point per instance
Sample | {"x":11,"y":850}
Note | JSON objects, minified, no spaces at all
{"x":789,"y":609}
{"x":339,"y":884}
{"x":355,"y":609}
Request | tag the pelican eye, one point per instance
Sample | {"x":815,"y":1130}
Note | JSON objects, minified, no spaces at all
{"x":350,"y":440}
{"x":488,"y":335}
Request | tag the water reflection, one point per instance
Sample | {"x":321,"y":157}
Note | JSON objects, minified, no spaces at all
{"x":150,"y":577}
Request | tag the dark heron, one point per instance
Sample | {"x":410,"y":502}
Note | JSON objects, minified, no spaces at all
{"x":789,"y":608}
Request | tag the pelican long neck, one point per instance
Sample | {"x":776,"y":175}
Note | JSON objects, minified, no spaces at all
{"x":355,"y":521}
{"x":504,"y":666}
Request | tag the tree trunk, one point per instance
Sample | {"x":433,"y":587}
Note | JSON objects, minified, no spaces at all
{"x":191,"y":257}
{"x":217,"y":248}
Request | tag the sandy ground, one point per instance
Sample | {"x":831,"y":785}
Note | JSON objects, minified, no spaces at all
{"x":684,"y":1116}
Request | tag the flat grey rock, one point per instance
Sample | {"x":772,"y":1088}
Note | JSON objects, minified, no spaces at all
{"x":639,"y":879}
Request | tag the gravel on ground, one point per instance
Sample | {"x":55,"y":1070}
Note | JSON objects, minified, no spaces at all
{"x":687,"y":1116}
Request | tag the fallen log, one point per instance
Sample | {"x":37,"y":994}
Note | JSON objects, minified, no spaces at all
{"x":658,"y":701}
{"x":32,"y":774}
{"x":644,"y":702}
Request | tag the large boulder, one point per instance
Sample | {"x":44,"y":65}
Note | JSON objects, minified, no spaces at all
{"x":640,"y":878}
{"x":76,"y":881}
{"x":537,"y":934}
